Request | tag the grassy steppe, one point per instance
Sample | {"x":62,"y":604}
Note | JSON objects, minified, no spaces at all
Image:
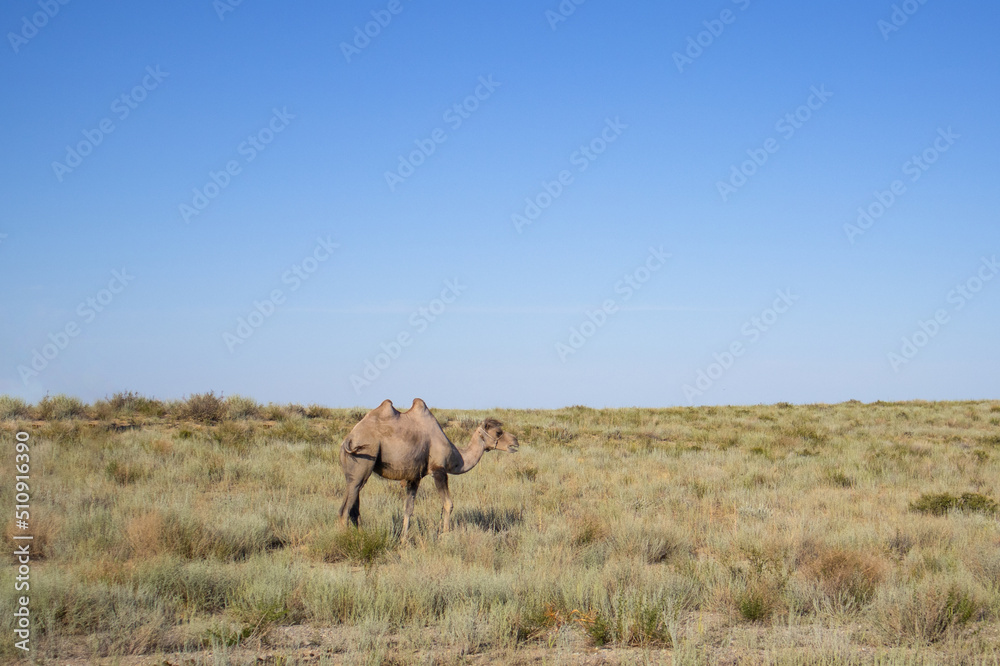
{"x":849,"y":533}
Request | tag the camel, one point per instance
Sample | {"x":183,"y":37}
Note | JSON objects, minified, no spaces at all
{"x":407,"y":447}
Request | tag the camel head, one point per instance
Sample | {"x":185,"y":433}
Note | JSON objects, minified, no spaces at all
{"x":493,"y":437}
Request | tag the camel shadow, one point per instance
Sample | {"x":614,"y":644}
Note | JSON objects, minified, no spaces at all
{"x":489,"y":520}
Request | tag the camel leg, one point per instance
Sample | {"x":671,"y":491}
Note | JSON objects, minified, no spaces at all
{"x":411,"y":493}
{"x":441,"y":481}
{"x":357,"y":469}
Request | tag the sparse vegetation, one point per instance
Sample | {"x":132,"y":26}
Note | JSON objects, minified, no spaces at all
{"x":13,"y":408}
{"x":939,"y":504}
{"x":204,"y":407}
{"x":59,"y":407}
{"x":241,"y":407}
{"x":788,"y":534}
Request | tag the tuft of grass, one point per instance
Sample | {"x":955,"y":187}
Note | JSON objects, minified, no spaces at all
{"x":188,"y":536}
{"x":757,"y":601}
{"x":236,"y":434}
{"x":990,"y":440}
{"x":297,"y":428}
{"x":202,"y":586}
{"x":241,"y":408}
{"x":203,"y":407}
{"x":939,"y":504}
{"x":272,"y":412}
{"x":128,"y":404}
{"x":589,"y":531}
{"x":900,"y":544}
{"x":358,"y":545}
{"x":315,"y":411}
{"x":848,"y":578}
{"x":636,"y":622}
{"x":60,"y":407}
{"x":124,"y":473}
{"x":12,"y":408}
{"x":526,"y":472}
{"x":264,"y":598}
{"x":838,"y":478}
{"x":928,"y":612}
{"x":559,"y":435}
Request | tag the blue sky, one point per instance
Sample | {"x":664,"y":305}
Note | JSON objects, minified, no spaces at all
{"x":652,"y":115}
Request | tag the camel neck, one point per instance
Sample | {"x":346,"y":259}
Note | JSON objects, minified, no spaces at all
{"x":471,"y":454}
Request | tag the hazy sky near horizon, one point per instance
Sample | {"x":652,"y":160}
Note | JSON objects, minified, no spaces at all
{"x":524,"y":204}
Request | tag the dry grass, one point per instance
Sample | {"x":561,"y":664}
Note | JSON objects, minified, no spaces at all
{"x":784,"y":534}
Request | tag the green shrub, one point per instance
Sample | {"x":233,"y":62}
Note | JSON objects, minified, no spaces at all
{"x":631,"y":620}
{"x":241,"y":407}
{"x":297,"y":428}
{"x":358,"y":545}
{"x":926,"y":613}
{"x":938,"y":504}
{"x":756,"y":602}
{"x":599,"y":630}
{"x":838,"y":478}
{"x":203,"y":407}
{"x":13,"y":408}
{"x":235,"y":434}
{"x":532,"y":619}
{"x":272,"y":412}
{"x":977,"y":502}
{"x":128,"y":404}
{"x":60,"y":407}
{"x":315,"y":411}
{"x":990,"y":440}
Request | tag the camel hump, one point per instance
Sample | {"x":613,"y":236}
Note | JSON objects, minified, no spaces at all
{"x":385,"y":410}
{"x":420,"y":406}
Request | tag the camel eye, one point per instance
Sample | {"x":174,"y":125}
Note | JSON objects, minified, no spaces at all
{"x":499,"y":433}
